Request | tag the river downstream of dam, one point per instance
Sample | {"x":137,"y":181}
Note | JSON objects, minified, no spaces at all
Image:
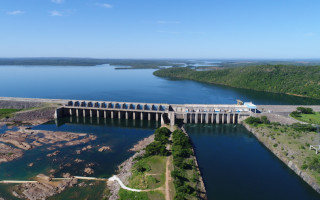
{"x":233,"y":162}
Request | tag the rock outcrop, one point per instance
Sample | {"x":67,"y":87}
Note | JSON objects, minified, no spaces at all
{"x":104,"y":148}
{"x":43,"y":189}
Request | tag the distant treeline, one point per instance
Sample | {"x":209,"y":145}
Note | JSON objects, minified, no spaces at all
{"x":139,"y":63}
{"x":294,"y":80}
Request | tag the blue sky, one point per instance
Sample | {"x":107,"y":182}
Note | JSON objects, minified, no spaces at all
{"x":160,"y":28}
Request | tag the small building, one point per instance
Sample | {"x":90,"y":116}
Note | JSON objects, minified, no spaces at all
{"x":251,"y":106}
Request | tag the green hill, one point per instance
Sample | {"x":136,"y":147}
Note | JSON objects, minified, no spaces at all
{"x":294,"y":80}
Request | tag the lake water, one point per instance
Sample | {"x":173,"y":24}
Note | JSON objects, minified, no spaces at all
{"x":106,"y":83}
{"x":120,"y":135}
{"x":234,"y":164}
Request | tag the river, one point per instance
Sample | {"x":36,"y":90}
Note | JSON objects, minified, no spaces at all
{"x":234,"y":164}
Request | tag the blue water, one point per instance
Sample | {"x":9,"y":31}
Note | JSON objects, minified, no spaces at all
{"x":120,"y":135}
{"x":106,"y":83}
{"x":234,"y":164}
{"x":5,"y":128}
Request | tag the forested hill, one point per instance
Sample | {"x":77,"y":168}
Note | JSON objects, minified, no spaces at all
{"x":294,"y":80}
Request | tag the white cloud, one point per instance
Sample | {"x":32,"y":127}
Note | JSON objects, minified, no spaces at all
{"x":104,"y":5}
{"x":310,"y":34}
{"x":55,"y":13}
{"x":15,"y":12}
{"x":167,"y":22}
{"x":57,"y":1}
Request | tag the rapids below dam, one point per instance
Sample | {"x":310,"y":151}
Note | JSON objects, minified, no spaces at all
{"x":234,"y":164}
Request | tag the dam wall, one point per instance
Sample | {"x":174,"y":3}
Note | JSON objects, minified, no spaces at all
{"x":166,"y":113}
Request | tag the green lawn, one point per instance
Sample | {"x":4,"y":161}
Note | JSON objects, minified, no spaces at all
{"x":154,"y":175}
{"x":6,"y":113}
{"x":309,"y":118}
{"x":128,"y":195}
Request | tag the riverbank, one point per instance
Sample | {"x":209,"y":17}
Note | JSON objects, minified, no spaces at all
{"x":200,"y":185}
{"x":291,"y":146}
{"x":124,"y":169}
{"x":285,"y":79}
{"x":186,"y":166}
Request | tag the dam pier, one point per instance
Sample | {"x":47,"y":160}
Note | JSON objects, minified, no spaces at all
{"x":166,"y":113}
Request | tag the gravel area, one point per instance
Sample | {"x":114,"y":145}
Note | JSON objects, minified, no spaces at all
{"x":280,"y":113}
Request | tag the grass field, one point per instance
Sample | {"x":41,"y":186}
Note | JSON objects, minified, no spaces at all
{"x":128,"y":195}
{"x":6,"y":113}
{"x":153,"y":177}
{"x":309,"y":118}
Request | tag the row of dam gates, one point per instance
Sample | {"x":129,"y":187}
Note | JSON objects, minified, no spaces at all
{"x":166,"y":113}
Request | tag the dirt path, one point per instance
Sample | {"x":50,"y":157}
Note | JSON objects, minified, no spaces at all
{"x":168,"y":173}
{"x":168,"y":178}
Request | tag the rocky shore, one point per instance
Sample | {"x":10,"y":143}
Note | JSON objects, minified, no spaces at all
{"x":25,"y":139}
{"x":42,"y":189}
{"x":291,"y":164}
{"x":9,"y":153}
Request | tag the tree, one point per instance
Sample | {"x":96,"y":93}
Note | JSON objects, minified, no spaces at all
{"x":304,"y":110}
{"x":265,"y":120}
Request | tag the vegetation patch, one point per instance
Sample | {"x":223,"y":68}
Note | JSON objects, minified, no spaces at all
{"x":158,"y":147}
{"x":125,"y":195}
{"x":185,"y":173}
{"x":148,"y":173}
{"x":286,"y":79}
{"x":306,"y":115}
{"x":7,"y":113}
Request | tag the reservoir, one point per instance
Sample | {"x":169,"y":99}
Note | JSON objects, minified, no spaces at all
{"x":233,"y":162}
{"x":139,"y":85}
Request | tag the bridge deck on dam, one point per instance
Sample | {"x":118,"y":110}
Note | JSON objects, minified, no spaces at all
{"x":166,"y":113}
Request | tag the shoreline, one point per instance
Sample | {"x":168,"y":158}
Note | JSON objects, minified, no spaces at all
{"x":296,"y":169}
{"x":124,"y":169}
{"x":201,"y":186}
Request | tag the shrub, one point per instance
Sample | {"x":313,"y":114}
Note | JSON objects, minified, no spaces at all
{"x":179,"y":196}
{"x":304,"y":166}
{"x":253,"y":120}
{"x":179,"y":151}
{"x":162,"y":135}
{"x":179,"y":138}
{"x":156,"y":148}
{"x":125,"y":195}
{"x":303,"y":127}
{"x":314,"y":164}
{"x":304,"y":110}
{"x":142,"y":167}
{"x":265,"y":120}
{"x":295,"y":114}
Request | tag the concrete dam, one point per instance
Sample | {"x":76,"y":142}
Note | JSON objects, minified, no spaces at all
{"x":166,"y":113}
